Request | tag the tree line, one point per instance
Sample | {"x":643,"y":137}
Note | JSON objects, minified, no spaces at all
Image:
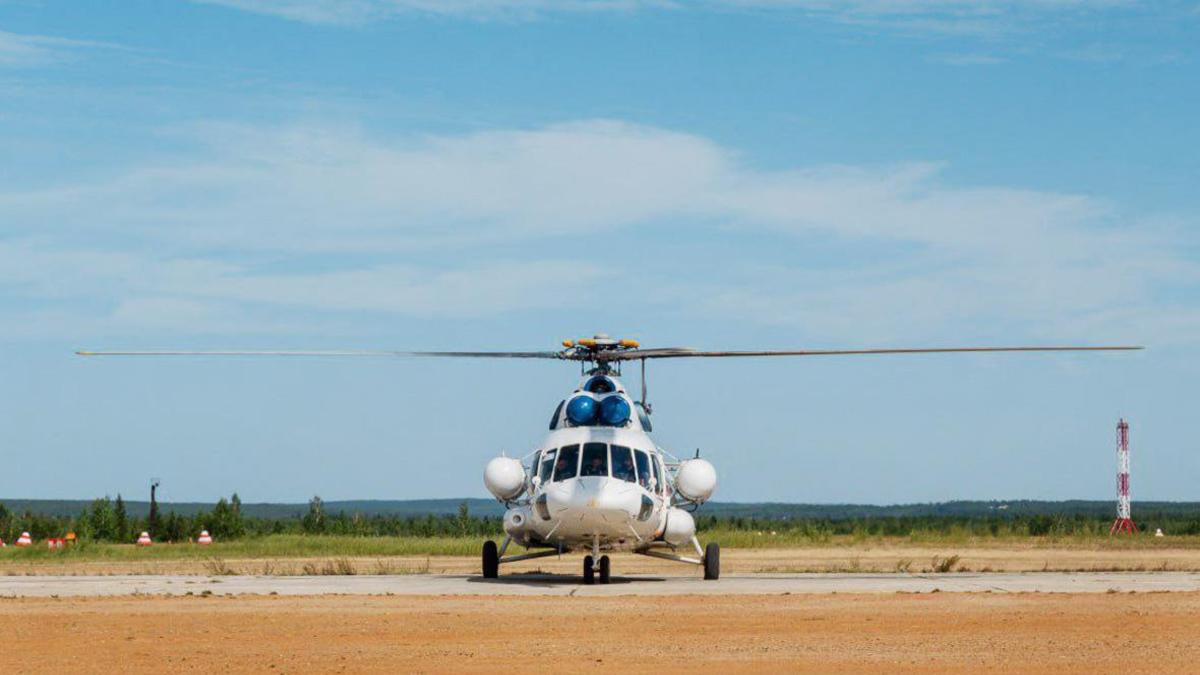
{"x":107,"y":520}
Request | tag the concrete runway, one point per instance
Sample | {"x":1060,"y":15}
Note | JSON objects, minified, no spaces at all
{"x":545,"y":584}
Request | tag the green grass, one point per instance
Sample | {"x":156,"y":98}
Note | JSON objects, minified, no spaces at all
{"x":272,"y":546}
{"x":799,"y":538}
{"x":328,"y":546}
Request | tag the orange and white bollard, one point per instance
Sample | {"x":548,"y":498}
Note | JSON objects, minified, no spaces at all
{"x":204,"y":539}
{"x":24,"y":540}
{"x":144,"y":539}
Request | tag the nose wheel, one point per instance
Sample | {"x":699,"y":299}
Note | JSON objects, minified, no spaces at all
{"x":591,"y":568}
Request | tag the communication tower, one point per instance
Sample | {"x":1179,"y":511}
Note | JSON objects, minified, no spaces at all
{"x":1123,"y":523}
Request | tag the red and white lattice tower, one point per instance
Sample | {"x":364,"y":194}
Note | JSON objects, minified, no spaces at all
{"x":1123,"y":523}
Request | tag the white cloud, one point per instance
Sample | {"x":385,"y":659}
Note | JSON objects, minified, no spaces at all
{"x":354,"y":12}
{"x":968,"y":59}
{"x":488,"y":223}
{"x":21,"y":50}
{"x":925,"y":16}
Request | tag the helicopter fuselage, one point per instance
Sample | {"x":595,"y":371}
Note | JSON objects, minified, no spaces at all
{"x":574,"y":511}
{"x":598,"y":481}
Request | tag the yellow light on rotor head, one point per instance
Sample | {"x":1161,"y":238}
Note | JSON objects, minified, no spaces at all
{"x":631,"y":344}
{"x":587,"y":342}
{"x":568,"y":343}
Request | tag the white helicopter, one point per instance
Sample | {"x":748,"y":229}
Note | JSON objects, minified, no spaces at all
{"x":598,"y":482}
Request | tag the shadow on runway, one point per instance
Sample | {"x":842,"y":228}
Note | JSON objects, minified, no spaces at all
{"x":542,"y":580}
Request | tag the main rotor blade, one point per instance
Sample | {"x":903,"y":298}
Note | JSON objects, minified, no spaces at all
{"x":336,"y":352}
{"x":683,"y":352}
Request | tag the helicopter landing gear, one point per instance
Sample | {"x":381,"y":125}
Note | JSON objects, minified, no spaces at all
{"x":712,"y":561}
{"x":491,"y":560}
{"x":593,"y":569}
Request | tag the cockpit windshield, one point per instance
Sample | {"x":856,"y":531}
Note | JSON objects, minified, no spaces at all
{"x":643,"y":468}
{"x":622,"y":462}
{"x":547,"y":467}
{"x":595,"y":460}
{"x":567,"y":464}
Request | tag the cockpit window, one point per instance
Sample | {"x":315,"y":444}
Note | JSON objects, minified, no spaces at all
{"x":547,"y":465}
{"x":657,"y":474}
{"x":622,"y":463}
{"x":567,"y":463}
{"x":643,"y":468}
{"x":600,"y":385}
{"x":595,"y":460}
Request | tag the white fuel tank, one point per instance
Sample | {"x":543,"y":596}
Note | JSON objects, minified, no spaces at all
{"x":504,"y":478}
{"x":680,"y":527}
{"x":696,"y":480}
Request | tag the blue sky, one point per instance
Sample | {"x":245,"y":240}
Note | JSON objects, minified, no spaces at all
{"x":475,"y":174}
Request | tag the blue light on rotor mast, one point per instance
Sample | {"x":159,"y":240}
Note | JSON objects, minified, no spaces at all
{"x":582,"y":410}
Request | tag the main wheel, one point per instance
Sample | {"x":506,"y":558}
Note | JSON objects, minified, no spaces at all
{"x":604,"y":569}
{"x":589,"y":574}
{"x":491,"y":560}
{"x":712,"y":561}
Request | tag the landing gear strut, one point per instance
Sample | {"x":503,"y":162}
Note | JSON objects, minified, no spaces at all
{"x":493,"y":557}
{"x":709,"y":557}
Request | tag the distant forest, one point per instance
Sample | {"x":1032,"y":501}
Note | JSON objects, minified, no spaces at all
{"x":116,"y":520}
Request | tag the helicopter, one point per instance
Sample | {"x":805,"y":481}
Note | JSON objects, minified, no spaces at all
{"x":598,"y":483}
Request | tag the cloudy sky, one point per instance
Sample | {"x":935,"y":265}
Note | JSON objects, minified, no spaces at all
{"x":503,"y":174}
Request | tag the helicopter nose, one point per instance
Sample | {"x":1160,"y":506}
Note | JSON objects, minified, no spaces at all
{"x":595,"y":499}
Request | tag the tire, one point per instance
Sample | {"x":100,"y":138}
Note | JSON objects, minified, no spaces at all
{"x":491,"y":560}
{"x":712,"y":562}
{"x":589,"y":574}
{"x":604,"y":569}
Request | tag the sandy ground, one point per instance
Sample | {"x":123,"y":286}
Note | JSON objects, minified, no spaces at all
{"x":944,"y":632}
{"x":886,"y":558}
{"x":43,"y":586}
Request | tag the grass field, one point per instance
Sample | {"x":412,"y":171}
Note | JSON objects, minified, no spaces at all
{"x":745,"y":551}
{"x":307,"y":546}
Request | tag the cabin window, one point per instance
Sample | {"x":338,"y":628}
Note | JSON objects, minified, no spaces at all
{"x":622,"y":463}
{"x":595,"y":460}
{"x":658,"y":482}
{"x":547,"y":465}
{"x":643,"y":468}
{"x":567,"y":463}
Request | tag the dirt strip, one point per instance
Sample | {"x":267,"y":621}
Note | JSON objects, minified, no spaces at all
{"x":931,"y":633}
{"x":865,"y":558}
